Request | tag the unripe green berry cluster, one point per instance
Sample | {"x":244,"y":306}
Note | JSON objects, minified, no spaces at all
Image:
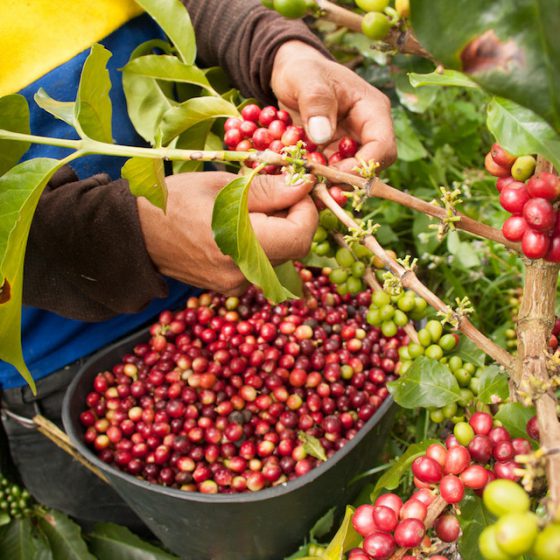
{"x":389,"y":313}
{"x":14,"y":500}
{"x":517,"y":530}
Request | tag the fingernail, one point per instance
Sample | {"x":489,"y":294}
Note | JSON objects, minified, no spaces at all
{"x":320,"y":130}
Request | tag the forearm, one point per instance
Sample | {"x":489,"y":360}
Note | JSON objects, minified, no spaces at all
{"x":86,"y":258}
{"x":242,"y":36}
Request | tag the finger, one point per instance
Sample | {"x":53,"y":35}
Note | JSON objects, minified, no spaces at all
{"x":270,"y":193}
{"x":287,"y":238}
{"x":370,"y":118}
{"x":318,"y":107}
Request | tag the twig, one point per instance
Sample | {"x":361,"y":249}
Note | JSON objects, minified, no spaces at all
{"x":409,"y":280}
{"x":531,"y":375}
{"x":378,"y":188}
{"x":371,"y":281}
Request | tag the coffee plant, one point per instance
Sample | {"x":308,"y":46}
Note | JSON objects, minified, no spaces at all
{"x":473,"y":469}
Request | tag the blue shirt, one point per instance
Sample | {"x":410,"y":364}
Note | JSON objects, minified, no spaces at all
{"x":50,"y":341}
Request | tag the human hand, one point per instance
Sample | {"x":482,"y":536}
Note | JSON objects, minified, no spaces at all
{"x":181,"y":243}
{"x":331,"y":101}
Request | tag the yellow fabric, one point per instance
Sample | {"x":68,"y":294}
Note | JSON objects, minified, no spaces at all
{"x":36,"y":36}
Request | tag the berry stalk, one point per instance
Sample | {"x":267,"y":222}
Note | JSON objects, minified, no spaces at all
{"x":371,"y":281}
{"x":401,"y":40}
{"x":409,"y":280}
{"x":531,"y":375}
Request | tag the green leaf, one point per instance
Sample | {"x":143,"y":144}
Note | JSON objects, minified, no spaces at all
{"x":178,"y":119}
{"x":426,"y":384}
{"x":14,"y":117}
{"x":146,"y":178}
{"x":520,"y":131}
{"x":514,"y":417}
{"x":474,"y":519}
{"x":409,"y":146}
{"x":235,"y":237}
{"x":4,"y":518}
{"x":345,"y":539}
{"x":415,"y":100}
{"x":323,"y":525}
{"x":289,"y":278}
{"x":312,"y":446}
{"x":174,"y":19}
{"x":450,"y":78}
{"x":315,"y":261}
{"x":109,"y":541}
{"x":167,"y":68}
{"x":468,"y":351}
{"x":511,"y":49}
{"x":462,"y":251}
{"x":93,"y":110}
{"x":16,"y":540}
{"x":42,"y":545}
{"x":392,"y":478}
{"x":493,"y":383}
{"x":20,"y":189}
{"x":63,"y":110}
{"x":65,"y":537}
{"x":147,"y":99}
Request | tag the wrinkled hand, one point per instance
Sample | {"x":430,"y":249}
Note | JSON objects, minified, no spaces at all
{"x":181,"y":243}
{"x":330,"y":101}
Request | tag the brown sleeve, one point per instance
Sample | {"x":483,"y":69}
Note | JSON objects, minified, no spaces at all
{"x":242,"y":36}
{"x":85,"y":256}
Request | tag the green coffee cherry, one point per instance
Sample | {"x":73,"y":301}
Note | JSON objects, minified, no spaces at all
{"x":464,"y":433}
{"x":448,"y":342}
{"x":338,"y":276}
{"x":434,"y":352}
{"x":523,"y":167}
{"x":455,"y":363}
{"x":462,"y":376}
{"x":435,"y":329}
{"x":449,"y":410}
{"x":387,"y":312}
{"x":389,"y":329}
{"x":379,"y":299}
{"x":358,"y":269}
{"x":465,"y":398}
{"x":424,"y":338}
{"x":354,"y":285}
{"x":328,"y":220}
{"x":437,"y":416}
{"x":344,"y":257}
{"x":373,"y":317}
{"x":415,"y":350}
{"x":400,"y":318}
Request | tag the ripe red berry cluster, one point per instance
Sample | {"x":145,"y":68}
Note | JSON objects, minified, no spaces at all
{"x":475,"y":455}
{"x":218,"y":399}
{"x":530,"y":199}
{"x":272,"y":129}
{"x":388,"y":524}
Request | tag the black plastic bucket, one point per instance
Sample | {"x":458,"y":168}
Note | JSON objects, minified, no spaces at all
{"x":265,"y":525}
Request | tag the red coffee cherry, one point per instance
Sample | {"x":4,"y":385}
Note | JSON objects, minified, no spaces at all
{"x":427,"y":470}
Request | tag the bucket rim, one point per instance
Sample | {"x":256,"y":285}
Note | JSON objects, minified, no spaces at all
{"x":244,"y":497}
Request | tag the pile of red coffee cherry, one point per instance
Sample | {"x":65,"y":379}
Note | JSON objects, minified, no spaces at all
{"x":226,"y":394}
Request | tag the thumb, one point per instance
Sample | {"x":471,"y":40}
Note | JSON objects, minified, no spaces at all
{"x":270,"y":193}
{"x":318,"y":108}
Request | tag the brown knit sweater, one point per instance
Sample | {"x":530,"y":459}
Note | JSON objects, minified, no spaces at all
{"x":97,"y":266}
